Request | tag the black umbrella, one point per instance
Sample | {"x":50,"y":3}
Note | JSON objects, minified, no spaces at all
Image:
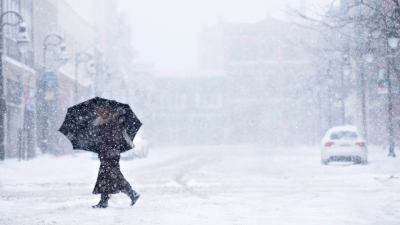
{"x":79,"y":128}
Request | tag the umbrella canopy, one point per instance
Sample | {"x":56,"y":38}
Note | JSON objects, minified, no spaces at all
{"x":80,"y":130}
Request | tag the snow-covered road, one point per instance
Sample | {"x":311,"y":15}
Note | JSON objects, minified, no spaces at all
{"x":207,"y":185}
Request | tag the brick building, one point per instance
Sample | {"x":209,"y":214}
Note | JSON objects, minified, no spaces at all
{"x":189,"y":109}
{"x":39,"y":88}
{"x":19,"y":83}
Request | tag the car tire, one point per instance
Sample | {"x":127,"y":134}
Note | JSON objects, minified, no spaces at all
{"x":364,"y":161}
{"x":360,"y":160}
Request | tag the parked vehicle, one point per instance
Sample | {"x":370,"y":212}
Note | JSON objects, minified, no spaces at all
{"x":343,"y":143}
{"x":141,"y":149}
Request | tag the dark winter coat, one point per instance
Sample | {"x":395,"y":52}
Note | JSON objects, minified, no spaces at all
{"x":110,"y":179}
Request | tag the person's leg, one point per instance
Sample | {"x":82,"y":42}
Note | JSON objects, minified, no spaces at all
{"x":124,"y":185}
{"x":133,"y":195}
{"x":103,"y":201}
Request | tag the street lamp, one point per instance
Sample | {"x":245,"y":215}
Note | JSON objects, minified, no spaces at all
{"x":62,"y":55}
{"x":318,"y":92}
{"x":22,"y":40}
{"x":393,"y":40}
{"x":48,"y":84}
{"x":346,"y":72}
{"x":83,"y":57}
{"x":368,"y":57}
{"x":329,"y":82}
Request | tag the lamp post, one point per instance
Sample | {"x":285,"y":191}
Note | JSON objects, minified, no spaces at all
{"x":368,"y":58}
{"x":62,"y":51}
{"x":48,"y":89}
{"x":22,"y":41}
{"x":318,"y":93}
{"x":346,"y":72}
{"x":393,"y":41}
{"x":82,"y":57}
{"x":330,"y":81}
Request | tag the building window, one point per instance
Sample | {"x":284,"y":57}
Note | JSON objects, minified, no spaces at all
{"x":12,"y":50}
{"x":29,"y":94}
{"x":24,"y":8}
{"x":290,"y":51}
{"x":208,"y":101}
{"x":243,"y":50}
{"x":28,"y":58}
{"x":269,"y":51}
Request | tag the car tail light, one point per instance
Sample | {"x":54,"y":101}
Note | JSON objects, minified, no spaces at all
{"x":361,"y":144}
{"x":329,"y":144}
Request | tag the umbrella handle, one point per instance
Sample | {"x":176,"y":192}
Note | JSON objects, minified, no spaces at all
{"x":128,"y":139}
{"x":98,"y":121}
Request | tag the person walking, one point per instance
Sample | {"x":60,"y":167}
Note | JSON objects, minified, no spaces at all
{"x":110,"y":179}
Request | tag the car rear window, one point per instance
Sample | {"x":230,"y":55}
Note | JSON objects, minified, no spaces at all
{"x":348,"y":135}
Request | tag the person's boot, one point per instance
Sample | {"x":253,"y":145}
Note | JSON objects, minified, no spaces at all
{"x":103,"y":201}
{"x":133,"y":195}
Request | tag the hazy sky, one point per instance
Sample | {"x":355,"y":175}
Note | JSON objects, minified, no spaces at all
{"x":165,"y":31}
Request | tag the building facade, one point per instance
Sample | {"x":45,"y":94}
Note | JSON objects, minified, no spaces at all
{"x":189,"y":109}
{"x":267,"y":80}
{"x":19,"y":83}
{"x":39,"y":84}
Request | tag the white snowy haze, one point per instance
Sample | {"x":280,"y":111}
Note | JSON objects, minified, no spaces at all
{"x":166,"y":32}
{"x":186,"y":81}
{"x":182,"y":40}
{"x":253,"y":111}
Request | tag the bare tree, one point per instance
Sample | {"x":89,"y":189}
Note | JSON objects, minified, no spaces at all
{"x":358,"y":29}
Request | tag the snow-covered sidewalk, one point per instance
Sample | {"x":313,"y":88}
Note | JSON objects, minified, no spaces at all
{"x":207,"y":185}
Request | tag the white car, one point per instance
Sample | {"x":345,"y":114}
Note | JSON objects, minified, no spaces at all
{"x":141,"y":148}
{"x":343,"y":143}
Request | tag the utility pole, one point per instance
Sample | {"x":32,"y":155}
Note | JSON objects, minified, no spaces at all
{"x":50,"y":103}
{"x":345,"y":72}
{"x":329,"y":76}
{"x":364,"y":114}
{"x":3,"y":106}
{"x":390,"y":111}
{"x":392,"y":41}
{"x":342,"y":99}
